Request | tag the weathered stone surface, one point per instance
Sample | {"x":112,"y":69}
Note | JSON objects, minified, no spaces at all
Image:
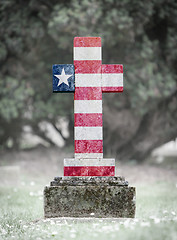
{"x":91,"y":197}
{"x":84,"y":181}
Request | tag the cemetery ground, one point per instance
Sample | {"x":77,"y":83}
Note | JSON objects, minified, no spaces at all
{"x":24,"y":174}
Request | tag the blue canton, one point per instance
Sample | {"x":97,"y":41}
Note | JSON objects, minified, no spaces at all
{"x":63,"y":78}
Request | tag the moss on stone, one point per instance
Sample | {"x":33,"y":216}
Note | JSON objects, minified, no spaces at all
{"x":103,"y":200}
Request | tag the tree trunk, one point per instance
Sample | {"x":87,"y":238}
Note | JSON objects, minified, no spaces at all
{"x":156,"y":127}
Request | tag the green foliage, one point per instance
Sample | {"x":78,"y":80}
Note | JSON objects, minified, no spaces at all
{"x":15,"y":96}
{"x":36,"y":34}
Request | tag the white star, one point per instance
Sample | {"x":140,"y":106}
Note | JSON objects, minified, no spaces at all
{"x":63,"y":78}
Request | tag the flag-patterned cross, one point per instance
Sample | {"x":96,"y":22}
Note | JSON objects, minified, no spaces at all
{"x":88,"y":78}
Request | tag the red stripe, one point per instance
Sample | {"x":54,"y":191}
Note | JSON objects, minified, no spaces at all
{"x":89,"y":171}
{"x":88,"y":146}
{"x":88,"y":93}
{"x":87,"y":42}
{"x":112,"y":68}
{"x":112,"y":89}
{"x":88,"y":120}
{"x":87,"y":66}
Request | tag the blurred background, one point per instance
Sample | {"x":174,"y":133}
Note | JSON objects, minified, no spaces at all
{"x":140,"y":124}
{"x":141,"y":35}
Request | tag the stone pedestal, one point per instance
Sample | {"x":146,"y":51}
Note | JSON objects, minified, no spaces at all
{"x":89,"y":197}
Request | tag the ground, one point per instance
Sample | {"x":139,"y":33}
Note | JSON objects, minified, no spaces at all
{"x":24,"y":174}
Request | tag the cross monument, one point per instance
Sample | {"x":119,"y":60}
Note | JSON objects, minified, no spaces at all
{"x":89,"y":187}
{"x":88,"y":78}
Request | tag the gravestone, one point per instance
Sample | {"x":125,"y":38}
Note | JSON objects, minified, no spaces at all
{"x":89,"y":187}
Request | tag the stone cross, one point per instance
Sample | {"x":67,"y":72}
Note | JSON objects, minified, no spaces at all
{"x":88,"y":78}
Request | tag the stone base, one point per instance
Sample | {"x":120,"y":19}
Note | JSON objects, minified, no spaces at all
{"x":89,"y":197}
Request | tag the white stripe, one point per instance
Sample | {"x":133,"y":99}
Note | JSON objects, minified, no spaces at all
{"x":88,"y":80}
{"x":88,"y":155}
{"x":88,"y":133}
{"x":112,"y":80}
{"x":88,"y":106}
{"x":87,"y":53}
{"x":90,"y":162}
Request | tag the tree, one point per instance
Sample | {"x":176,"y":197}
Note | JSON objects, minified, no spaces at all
{"x":140,"y":35}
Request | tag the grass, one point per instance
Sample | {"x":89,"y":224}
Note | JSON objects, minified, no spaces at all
{"x":21,"y":216}
{"x":21,"y":202}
